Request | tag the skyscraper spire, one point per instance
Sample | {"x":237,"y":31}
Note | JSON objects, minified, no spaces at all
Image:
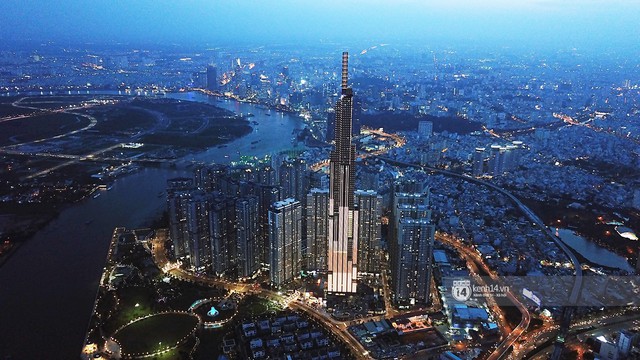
{"x":343,"y":216}
{"x":345,"y":71}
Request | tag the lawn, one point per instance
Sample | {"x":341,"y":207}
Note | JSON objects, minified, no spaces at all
{"x":255,"y":306}
{"x":135,"y":302}
{"x":156,"y":333}
{"x":188,"y":293}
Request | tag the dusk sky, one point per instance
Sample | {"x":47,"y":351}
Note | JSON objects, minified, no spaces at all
{"x":537,"y":22}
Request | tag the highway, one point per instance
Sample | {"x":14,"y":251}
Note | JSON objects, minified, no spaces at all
{"x":603,"y":326}
{"x":473,"y":261}
{"x":577,"y":286}
{"x":575,"y":292}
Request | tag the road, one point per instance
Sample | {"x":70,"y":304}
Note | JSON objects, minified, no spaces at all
{"x":162,"y":122}
{"x":389,"y":310}
{"x":74,"y":159}
{"x":575,"y":292}
{"x":92,"y":121}
{"x":337,"y":328}
{"x":577,"y":286}
{"x":604,"y":326}
{"x":473,"y":261}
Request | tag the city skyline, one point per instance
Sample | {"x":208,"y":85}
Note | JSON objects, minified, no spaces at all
{"x":204,"y":179}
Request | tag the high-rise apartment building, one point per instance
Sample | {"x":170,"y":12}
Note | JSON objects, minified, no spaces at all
{"x":411,"y":247}
{"x":625,"y":342}
{"x":369,"y":205}
{"x":267,"y":195}
{"x":285,"y":238}
{"x":223,"y":237}
{"x":317,"y":219}
{"x":247,"y":235}
{"x":478,"y":162}
{"x":199,"y":253}
{"x":342,"y":273}
{"x":178,"y":196}
{"x":293,"y":178}
{"x":212,"y":78}
{"x":425,"y":129}
{"x":501,"y":159}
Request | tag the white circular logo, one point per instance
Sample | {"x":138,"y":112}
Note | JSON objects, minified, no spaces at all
{"x":461,"y":290}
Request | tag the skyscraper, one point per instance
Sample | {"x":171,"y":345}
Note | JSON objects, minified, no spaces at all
{"x":495,"y":163}
{"x":293,"y":178}
{"x":413,"y":276}
{"x":223,"y":237}
{"x":411,"y":247}
{"x":625,"y":342}
{"x":212,"y":78}
{"x":478,"y":162}
{"x":317,"y":218}
{"x":501,"y":158}
{"x":248,"y":238}
{"x":285,"y":237}
{"x":369,"y":205}
{"x":267,"y":195}
{"x":331,"y":125}
{"x":425,"y":129}
{"x":343,"y":215}
{"x":178,"y":196}
{"x":198,"y":227}
{"x":209,"y":178}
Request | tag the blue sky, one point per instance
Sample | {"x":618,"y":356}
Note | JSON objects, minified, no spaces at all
{"x":504,"y":22}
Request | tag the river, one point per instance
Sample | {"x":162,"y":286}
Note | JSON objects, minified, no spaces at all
{"x":592,"y":252}
{"x":48,"y":287}
{"x":272,"y":130}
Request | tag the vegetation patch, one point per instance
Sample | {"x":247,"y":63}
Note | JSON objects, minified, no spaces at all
{"x":393,"y":122}
{"x":39,"y":127}
{"x":133,"y":302}
{"x":255,"y":306}
{"x":156,"y":333}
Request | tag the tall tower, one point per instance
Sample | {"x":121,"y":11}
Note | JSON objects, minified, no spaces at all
{"x":212,"y":78}
{"x":223,"y":236}
{"x":247,"y":235}
{"x":478,"y":162}
{"x":369,"y":205}
{"x":178,"y":196}
{"x":343,"y":216}
{"x":285,"y":236}
{"x":411,"y":247}
{"x":317,"y":227}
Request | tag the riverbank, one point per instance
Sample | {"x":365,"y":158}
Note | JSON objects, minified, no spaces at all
{"x":42,"y":185}
{"x":588,"y":223}
{"x":21,"y":224}
{"x":280,"y":108}
{"x":62,"y":263}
